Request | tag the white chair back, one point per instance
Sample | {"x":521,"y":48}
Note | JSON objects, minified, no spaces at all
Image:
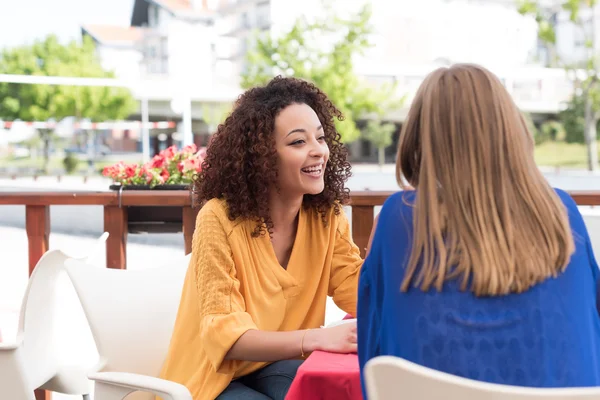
{"x":391,"y":378}
{"x":34,"y":360}
{"x":131,"y":313}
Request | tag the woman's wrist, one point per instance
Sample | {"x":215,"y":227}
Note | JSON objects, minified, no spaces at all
{"x":312,"y":340}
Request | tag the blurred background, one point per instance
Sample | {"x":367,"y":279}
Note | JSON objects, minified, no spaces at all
{"x":84,"y":84}
{"x":167,"y":71}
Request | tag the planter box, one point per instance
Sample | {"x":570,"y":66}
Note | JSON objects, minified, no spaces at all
{"x":153,"y":219}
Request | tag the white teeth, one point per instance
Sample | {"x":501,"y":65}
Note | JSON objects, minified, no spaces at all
{"x":312,"y":170}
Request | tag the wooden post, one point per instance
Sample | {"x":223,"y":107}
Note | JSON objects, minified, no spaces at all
{"x":37,"y":225}
{"x":362,"y":223}
{"x":41,"y":394}
{"x":115,"y":223}
{"x":189,"y":224}
{"x":37,"y":222}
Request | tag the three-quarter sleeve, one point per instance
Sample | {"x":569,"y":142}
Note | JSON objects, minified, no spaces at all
{"x":223,"y":316}
{"x":345,"y":268}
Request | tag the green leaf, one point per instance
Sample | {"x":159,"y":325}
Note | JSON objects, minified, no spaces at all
{"x":322,"y":52}
{"x":525,"y":7}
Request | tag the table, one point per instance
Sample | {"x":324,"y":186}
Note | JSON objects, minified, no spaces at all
{"x":327,"y":376}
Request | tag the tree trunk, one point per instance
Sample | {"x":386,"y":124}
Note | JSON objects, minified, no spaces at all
{"x":381,"y":156}
{"x":590,"y":134}
{"x":46,"y":149}
{"x":91,"y":149}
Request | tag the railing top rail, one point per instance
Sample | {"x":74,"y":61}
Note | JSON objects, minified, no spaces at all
{"x":182,"y":198}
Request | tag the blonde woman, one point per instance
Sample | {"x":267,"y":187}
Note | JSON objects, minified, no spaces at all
{"x":483,"y":271}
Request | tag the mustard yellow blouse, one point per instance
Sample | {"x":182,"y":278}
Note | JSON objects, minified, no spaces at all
{"x":235,"y":283}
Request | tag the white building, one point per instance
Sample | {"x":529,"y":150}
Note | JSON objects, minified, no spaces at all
{"x":197,"y":48}
{"x":168,"y":55}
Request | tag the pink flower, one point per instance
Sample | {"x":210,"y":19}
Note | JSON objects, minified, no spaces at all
{"x":183,"y":164}
{"x":168,"y":153}
{"x":190,"y":149}
{"x":191,"y":164}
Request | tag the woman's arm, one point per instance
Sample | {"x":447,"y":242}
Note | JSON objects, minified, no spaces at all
{"x":256,"y":345}
{"x":345,"y":268}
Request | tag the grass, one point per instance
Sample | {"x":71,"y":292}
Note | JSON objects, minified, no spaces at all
{"x":560,"y":154}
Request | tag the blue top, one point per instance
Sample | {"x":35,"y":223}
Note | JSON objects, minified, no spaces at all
{"x":548,"y":336}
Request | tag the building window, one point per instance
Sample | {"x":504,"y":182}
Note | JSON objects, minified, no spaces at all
{"x":153,"y":15}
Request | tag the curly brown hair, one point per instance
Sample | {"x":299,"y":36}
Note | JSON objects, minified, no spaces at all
{"x":240,"y":164}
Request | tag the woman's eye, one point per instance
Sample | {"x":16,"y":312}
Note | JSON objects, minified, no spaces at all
{"x":297,"y":142}
{"x":322,"y":138}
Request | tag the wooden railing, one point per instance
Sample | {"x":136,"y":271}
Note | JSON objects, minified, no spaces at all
{"x":169,"y":211}
{"x":119,"y":207}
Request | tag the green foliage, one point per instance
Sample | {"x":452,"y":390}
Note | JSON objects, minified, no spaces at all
{"x":589,"y":85}
{"x":551,"y":131}
{"x":70,"y":162}
{"x":573,"y":120}
{"x":322,"y":51}
{"x":380,"y":135}
{"x":41,"y":102}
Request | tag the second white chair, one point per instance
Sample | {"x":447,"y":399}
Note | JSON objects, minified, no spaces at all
{"x":131,"y":315}
{"x":391,"y":378}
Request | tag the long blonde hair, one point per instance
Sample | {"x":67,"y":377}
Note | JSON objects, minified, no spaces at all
{"x":483,"y":211}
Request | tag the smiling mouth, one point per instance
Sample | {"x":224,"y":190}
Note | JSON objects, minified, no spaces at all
{"x":314,"y":171}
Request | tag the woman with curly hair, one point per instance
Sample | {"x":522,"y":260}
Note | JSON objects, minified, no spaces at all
{"x":271,"y":243}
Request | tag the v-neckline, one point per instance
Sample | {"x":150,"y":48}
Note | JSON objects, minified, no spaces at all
{"x":285,"y":276}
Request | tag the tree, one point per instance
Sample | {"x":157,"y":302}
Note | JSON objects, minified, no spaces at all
{"x":552,"y":130}
{"x":573,"y":119}
{"x":586,"y":80}
{"x":322,"y":52}
{"x":43,"y":102}
{"x":380,"y":135}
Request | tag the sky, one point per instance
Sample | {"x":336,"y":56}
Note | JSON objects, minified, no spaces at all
{"x":23,"y":21}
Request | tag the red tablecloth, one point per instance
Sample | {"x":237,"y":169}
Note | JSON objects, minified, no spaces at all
{"x":327,"y":376}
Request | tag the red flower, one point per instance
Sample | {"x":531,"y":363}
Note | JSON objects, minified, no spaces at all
{"x":130,"y":171}
{"x":158,"y":161}
{"x":185,"y":164}
{"x":168,"y":153}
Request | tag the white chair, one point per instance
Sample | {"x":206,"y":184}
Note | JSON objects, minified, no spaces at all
{"x":34,"y":360}
{"x":131,"y":315}
{"x":394,"y":378}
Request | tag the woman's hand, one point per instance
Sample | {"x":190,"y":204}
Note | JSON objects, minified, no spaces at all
{"x":337,"y":339}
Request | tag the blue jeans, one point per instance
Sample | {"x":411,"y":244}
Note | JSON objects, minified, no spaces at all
{"x":270,"y":382}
